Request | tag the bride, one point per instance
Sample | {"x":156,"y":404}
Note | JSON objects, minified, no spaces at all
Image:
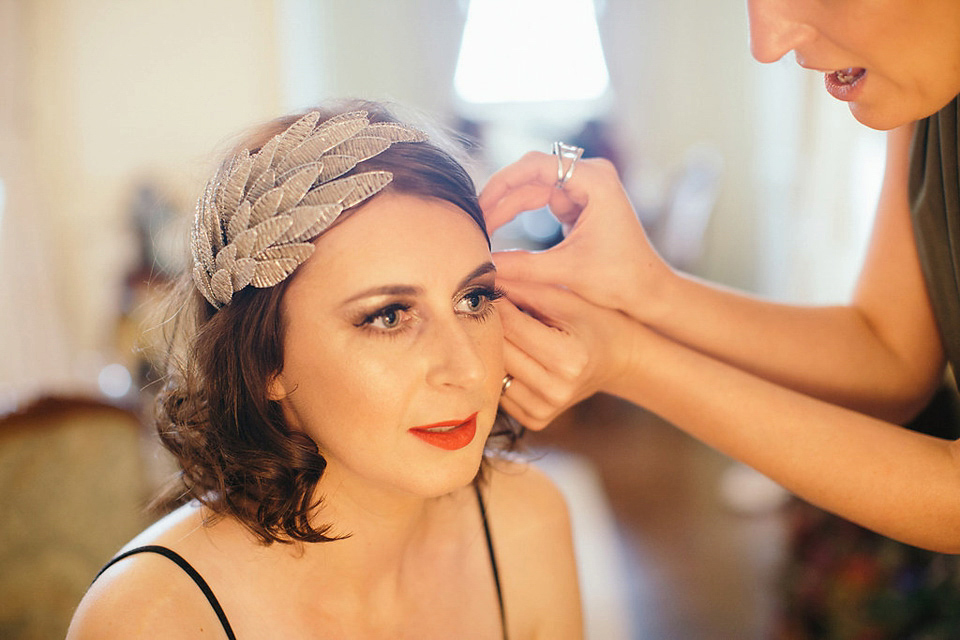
{"x":332,"y":399}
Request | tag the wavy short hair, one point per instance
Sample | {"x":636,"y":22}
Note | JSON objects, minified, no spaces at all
{"x":236,"y":452}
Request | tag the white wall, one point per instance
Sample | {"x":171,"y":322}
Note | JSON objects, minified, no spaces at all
{"x":682,"y":76}
{"x":107,"y":92}
{"x":401,"y":51}
{"x":124,"y":89}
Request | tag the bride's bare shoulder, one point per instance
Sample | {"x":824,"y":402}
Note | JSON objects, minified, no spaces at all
{"x":521,"y":493}
{"x":146,"y":595}
{"x":532,"y":534}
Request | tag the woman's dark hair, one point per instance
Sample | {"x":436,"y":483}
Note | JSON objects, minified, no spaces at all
{"x":236,"y":452}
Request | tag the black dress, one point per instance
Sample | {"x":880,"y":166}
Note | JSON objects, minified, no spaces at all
{"x":935,"y":209}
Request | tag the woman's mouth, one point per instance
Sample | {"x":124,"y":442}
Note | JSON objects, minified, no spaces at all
{"x":448,"y":435}
{"x":845,"y":84}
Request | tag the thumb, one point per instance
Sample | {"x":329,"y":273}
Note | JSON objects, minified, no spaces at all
{"x":551,"y":305}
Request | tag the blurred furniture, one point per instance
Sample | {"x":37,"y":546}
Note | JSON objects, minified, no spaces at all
{"x":72,"y":491}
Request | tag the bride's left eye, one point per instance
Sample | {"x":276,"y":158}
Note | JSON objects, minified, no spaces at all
{"x":478,"y":302}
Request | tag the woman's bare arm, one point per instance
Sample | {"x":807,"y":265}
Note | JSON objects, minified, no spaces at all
{"x":900,"y":483}
{"x":881,"y":354}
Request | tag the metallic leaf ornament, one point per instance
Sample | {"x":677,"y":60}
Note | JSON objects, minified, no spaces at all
{"x":257,"y":216}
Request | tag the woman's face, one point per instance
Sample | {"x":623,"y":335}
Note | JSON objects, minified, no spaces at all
{"x":391,"y":328}
{"x":899,"y":60}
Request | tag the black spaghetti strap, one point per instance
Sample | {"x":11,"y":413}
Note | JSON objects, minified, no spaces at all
{"x":493,"y":560}
{"x":189,"y":570}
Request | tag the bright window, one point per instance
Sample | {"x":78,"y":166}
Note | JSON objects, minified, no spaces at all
{"x":530,"y":51}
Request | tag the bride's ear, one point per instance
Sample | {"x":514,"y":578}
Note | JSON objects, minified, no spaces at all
{"x":276,"y":389}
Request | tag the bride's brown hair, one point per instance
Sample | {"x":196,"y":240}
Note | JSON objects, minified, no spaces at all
{"x":236,"y":452}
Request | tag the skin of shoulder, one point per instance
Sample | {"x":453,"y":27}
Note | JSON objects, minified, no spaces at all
{"x":531,"y":531}
{"x":147,"y":595}
{"x":143,"y":598}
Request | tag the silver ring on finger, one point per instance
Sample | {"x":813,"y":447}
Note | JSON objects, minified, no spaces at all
{"x":565,"y":152}
{"x":507,"y":381}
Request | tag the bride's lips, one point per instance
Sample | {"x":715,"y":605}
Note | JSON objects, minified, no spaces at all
{"x":845,"y":84}
{"x":448,"y":435}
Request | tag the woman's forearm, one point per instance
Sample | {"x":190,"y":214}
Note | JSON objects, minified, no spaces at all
{"x":832,"y":353}
{"x":899,"y":483}
{"x":880,"y":354}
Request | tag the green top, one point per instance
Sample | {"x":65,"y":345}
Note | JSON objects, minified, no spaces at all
{"x":935,"y":210}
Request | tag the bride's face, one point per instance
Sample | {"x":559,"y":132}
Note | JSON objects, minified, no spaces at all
{"x":391,"y":328}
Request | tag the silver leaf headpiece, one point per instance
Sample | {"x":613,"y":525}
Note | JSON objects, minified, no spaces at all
{"x":255,"y":219}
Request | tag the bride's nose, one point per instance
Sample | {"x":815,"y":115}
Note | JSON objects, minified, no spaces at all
{"x":454,"y":354}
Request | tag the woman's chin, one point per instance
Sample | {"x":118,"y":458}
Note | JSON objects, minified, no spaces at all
{"x":884,"y":115}
{"x":881,"y":120}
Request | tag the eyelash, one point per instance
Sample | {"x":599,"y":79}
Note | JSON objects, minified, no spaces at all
{"x":489,"y":295}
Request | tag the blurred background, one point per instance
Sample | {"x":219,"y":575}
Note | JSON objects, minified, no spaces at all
{"x":113,"y":113}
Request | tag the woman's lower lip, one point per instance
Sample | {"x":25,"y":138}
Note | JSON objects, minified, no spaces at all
{"x":456,"y":438}
{"x":846,"y":84}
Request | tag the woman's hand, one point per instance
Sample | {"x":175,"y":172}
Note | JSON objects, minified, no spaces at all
{"x":559,"y":349}
{"x":605,"y":257}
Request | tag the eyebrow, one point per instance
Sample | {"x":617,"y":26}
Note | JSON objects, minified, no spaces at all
{"x":409,"y":290}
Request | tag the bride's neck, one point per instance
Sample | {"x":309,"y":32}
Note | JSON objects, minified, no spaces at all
{"x":381,"y":531}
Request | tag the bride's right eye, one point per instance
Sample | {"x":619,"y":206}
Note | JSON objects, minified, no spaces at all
{"x":386,"y":319}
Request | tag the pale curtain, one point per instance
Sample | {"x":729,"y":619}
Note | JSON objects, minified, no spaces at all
{"x":818,"y":174}
{"x":33,"y":348}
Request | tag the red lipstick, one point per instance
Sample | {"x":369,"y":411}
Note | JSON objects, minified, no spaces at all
{"x":448,"y":435}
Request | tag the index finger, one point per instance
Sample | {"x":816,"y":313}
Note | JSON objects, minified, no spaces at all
{"x":528,"y":184}
{"x":525,"y":197}
{"x":592,"y":177}
{"x":530,"y":169}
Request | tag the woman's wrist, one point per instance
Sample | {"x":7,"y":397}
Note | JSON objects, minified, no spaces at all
{"x":628,"y":358}
{"x":649,"y":301}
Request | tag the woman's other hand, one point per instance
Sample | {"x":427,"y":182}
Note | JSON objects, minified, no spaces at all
{"x":560,"y":349}
{"x":605,"y":257}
